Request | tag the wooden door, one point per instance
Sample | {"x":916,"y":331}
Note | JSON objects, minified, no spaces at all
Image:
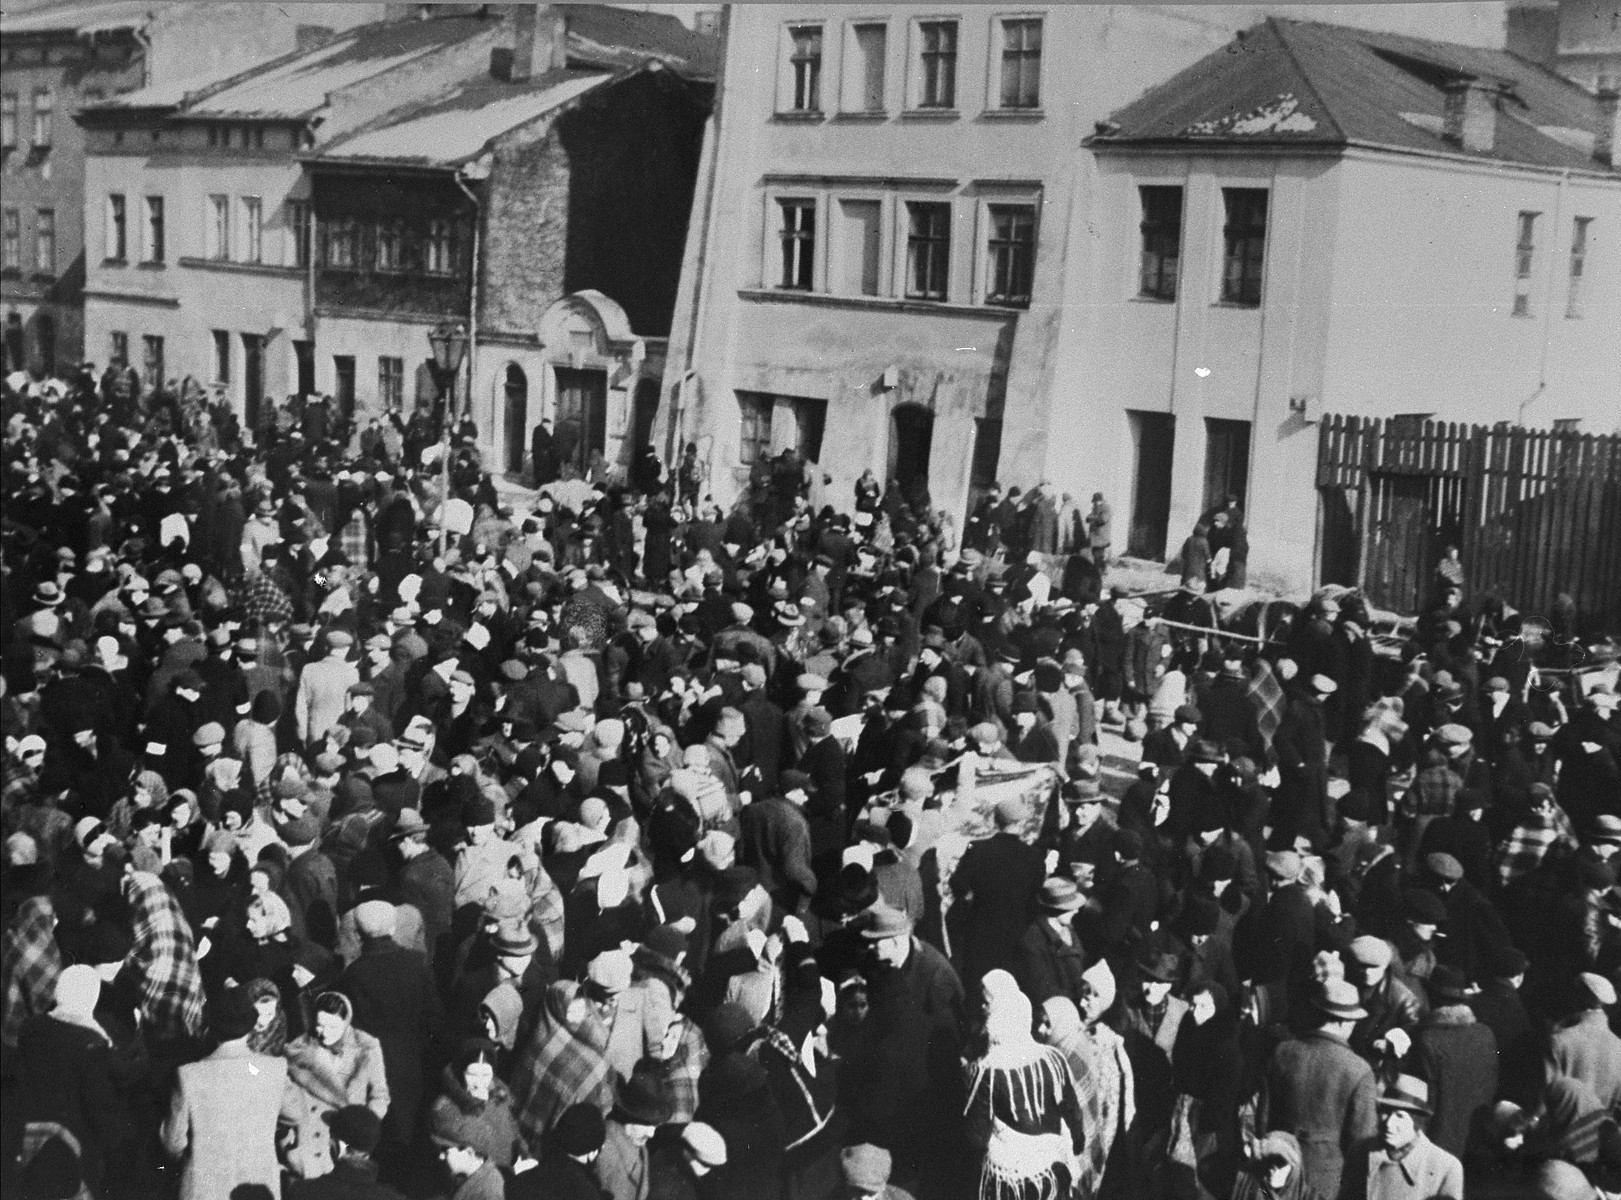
{"x":582,"y":415}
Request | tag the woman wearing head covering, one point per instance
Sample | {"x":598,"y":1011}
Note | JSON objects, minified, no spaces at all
{"x":30,"y":962}
{"x":332,"y":1066}
{"x":1023,"y":1112}
{"x":1273,"y":1172}
{"x":269,"y":1034}
{"x":1544,"y":833}
{"x":1104,"y":1084}
{"x":564,"y":1062}
{"x":164,"y":960}
{"x":470,"y":1090}
{"x":793,"y":1051}
{"x":1206,"y":1066}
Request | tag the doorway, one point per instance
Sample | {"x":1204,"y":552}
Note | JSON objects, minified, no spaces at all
{"x":645,"y":413}
{"x":1226,"y":463}
{"x":582,"y":415}
{"x":911,"y":438}
{"x":304,"y":356}
{"x":516,"y":415}
{"x":343,"y":369}
{"x":1153,"y":439}
{"x":253,"y":379}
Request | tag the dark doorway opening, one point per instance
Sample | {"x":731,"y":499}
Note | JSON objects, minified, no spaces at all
{"x":45,"y":344}
{"x":1153,"y":439}
{"x":910,"y":441}
{"x":343,"y":366}
{"x":1226,"y":463}
{"x":582,"y":415}
{"x":643,"y":416}
{"x":304,"y":353}
{"x":516,"y":417}
{"x":253,"y":380}
{"x":1340,"y":547}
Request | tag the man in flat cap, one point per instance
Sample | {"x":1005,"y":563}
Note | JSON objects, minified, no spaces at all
{"x":323,"y":688}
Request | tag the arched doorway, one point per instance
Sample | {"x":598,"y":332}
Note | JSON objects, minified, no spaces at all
{"x":517,"y":417}
{"x":910,"y":438}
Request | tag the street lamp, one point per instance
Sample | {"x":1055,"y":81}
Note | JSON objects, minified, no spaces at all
{"x":449,"y":342}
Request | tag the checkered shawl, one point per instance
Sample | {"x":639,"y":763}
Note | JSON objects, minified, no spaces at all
{"x":561,"y":1066}
{"x":30,"y":962}
{"x":354,"y":539}
{"x":263,"y":600}
{"x":1433,"y":794}
{"x":288,"y":762}
{"x":682,"y":1071}
{"x":165,"y":959}
{"x":1266,"y":694}
{"x":1524,"y":850}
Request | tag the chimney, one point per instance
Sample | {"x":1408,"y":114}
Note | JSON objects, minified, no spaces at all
{"x":706,"y":21}
{"x":1605,"y":136}
{"x":1533,"y":30}
{"x":1470,"y":115}
{"x":539,"y":44}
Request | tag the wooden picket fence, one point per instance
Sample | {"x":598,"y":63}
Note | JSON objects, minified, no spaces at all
{"x":1532,"y":511}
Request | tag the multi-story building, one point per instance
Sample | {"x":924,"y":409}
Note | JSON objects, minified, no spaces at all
{"x":542,"y":204}
{"x":59,"y":57}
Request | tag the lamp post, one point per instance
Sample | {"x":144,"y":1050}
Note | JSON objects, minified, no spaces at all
{"x":449,"y":343}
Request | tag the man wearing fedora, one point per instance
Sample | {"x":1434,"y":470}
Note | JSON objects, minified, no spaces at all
{"x":1051,"y":960}
{"x":1322,"y":1091}
{"x":641,"y":1104}
{"x":1402,"y":1163}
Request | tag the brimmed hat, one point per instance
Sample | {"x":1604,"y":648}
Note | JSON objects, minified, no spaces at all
{"x":580,"y":1130}
{"x":1159,"y":965}
{"x":643,"y":1099}
{"x":1409,"y":1092}
{"x":1337,"y":999}
{"x":1060,"y":895}
{"x":882,"y":922}
{"x":408,"y":824}
{"x":1204,"y":751}
{"x":48,"y":594}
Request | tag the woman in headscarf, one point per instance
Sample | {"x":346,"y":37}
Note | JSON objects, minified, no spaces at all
{"x":332,"y":1066}
{"x":164,"y":959}
{"x":63,"y":1071}
{"x":1273,"y":1172}
{"x":564,"y":1063}
{"x":1206,"y":1067}
{"x":793,"y":1051}
{"x":1104,"y":1083}
{"x":30,"y":963}
{"x":1023,"y":1112}
{"x":1543,"y":833}
{"x":269,"y":1034}
{"x":471,"y":1091}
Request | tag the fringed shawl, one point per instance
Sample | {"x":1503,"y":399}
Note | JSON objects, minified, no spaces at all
{"x":31,"y":964}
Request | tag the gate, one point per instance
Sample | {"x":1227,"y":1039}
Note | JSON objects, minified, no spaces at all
{"x":1533,"y":512}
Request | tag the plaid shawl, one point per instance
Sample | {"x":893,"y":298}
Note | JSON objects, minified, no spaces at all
{"x":681,"y":1071}
{"x":562,"y":1065}
{"x":164,"y":958}
{"x":1103,"y":1086}
{"x":30,"y":963}
{"x":263,"y":600}
{"x":1433,"y":794}
{"x":288,"y":762}
{"x":1266,"y":694}
{"x":1524,"y":850}
{"x":354,"y":539}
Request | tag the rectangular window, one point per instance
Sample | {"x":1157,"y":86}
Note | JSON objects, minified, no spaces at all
{"x":1525,"y":253}
{"x":217,"y":240}
{"x":93,"y":95}
{"x":118,"y":347}
{"x":340,"y":243}
{"x":251,"y":228}
{"x":45,"y":241}
{"x":440,"y":249}
{"x":298,"y":233}
{"x":1578,"y":264}
{"x":928,"y":249}
{"x":1162,"y":241}
{"x":390,"y":245}
{"x":152,"y":367}
{"x":213,"y":135}
{"x":860,"y":237}
{"x":258,"y":137}
{"x":1012,"y":255}
{"x":806,"y":63}
{"x":11,"y":257}
{"x":754,"y":430}
{"x":1244,"y":253}
{"x":8,"y":119}
{"x":153,"y":251}
{"x":798,"y":238}
{"x":43,"y":111}
{"x":872,"y":49}
{"x":222,"y":356}
{"x":117,"y":229}
{"x":939,"y":82}
{"x":1021,"y":63}
{"x":391,"y":382}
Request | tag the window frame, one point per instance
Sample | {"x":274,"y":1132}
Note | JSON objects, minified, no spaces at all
{"x":340,"y":233}
{"x":439,"y":247}
{"x":1248,"y":288}
{"x":796,"y":246}
{"x":217,"y":233}
{"x":1525,"y":259}
{"x":117,"y":231}
{"x":1580,"y":236}
{"x":997,"y":99}
{"x":388,"y":232}
{"x":298,"y":232}
{"x":1030,"y":210}
{"x":45,"y":241}
{"x":390,"y":382}
{"x":855,"y":98}
{"x":927,"y":97}
{"x":11,"y":239}
{"x":1148,"y":233}
{"x":840,"y":236}
{"x":118,"y":347}
{"x":152,"y":352}
{"x":154,"y":231}
{"x":755,"y":409}
{"x":931,"y":244}
{"x":42,"y":130}
{"x":10,"y":116}
{"x":251,"y":229}
{"x":804,"y":82}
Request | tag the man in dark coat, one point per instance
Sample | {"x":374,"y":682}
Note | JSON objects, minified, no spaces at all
{"x":1474,"y":928}
{"x":824,"y":762}
{"x":395,"y":1000}
{"x":776,"y":841}
{"x":767,"y":725}
{"x":1229,"y":714}
{"x":1051,"y":960}
{"x":1132,"y":901}
{"x":543,"y":455}
{"x":356,"y":1132}
{"x":1497,"y":1005}
{"x":1301,"y":805}
{"x":997,"y":884}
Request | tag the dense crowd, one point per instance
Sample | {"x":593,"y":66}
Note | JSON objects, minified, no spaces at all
{"x":367,"y":837}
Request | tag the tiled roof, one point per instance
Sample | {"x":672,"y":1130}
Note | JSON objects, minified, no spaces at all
{"x":96,"y":16}
{"x":1308,"y":84}
{"x":603,"y":36}
{"x":454,"y":128}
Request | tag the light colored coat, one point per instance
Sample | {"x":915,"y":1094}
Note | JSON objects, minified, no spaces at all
{"x":223,"y":1120}
{"x":1426,"y":1172}
{"x":642,"y":1013}
{"x":352,"y":1073}
{"x":323,"y":693}
{"x":1585,"y":1049}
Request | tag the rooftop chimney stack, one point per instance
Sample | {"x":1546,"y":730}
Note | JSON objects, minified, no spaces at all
{"x":1606,"y":135}
{"x":539,"y":41}
{"x":1469,"y":118}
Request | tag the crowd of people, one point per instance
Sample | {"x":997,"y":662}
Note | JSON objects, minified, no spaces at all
{"x":366,"y":837}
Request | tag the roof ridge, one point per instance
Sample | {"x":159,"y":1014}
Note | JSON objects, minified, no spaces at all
{"x":1305,"y":78}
